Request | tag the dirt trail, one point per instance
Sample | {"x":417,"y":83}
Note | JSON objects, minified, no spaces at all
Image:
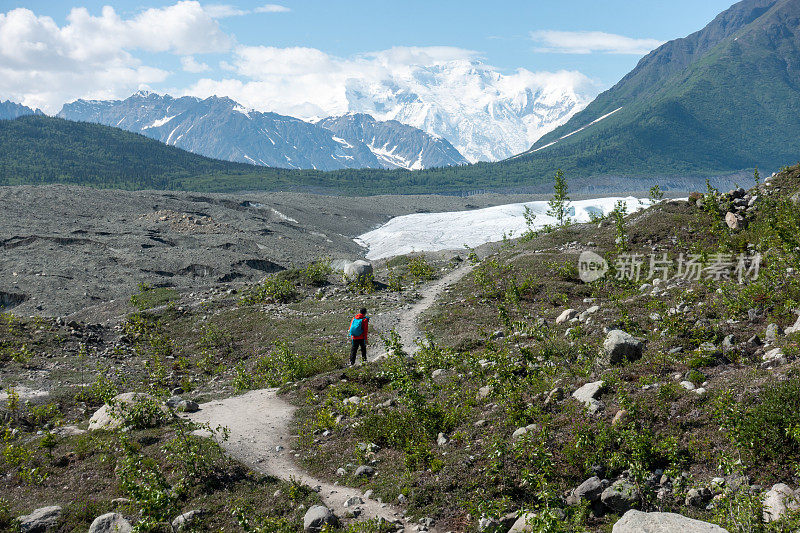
{"x":259,"y":422}
{"x":406,"y":321}
{"x":260,"y":437}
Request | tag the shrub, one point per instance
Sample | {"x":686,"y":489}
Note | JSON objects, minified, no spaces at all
{"x":273,"y":289}
{"x":420,"y":269}
{"x":761,"y":426}
{"x":149,"y":297}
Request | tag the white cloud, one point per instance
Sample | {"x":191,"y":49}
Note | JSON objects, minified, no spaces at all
{"x":43,"y":64}
{"x":219,"y":11}
{"x":272,"y":8}
{"x":190,"y":64}
{"x":309,"y":83}
{"x":587,"y":42}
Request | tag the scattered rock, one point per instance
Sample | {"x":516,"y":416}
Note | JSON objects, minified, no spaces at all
{"x":365,"y":471}
{"x":728,"y":343}
{"x":734,"y":221}
{"x":186,"y":520}
{"x":588,"y":394}
{"x":774,"y":356}
{"x":188,"y":406}
{"x":566,"y":316}
{"x":484,"y":392}
{"x":441,"y":440}
{"x":524,"y":430}
{"x":778,"y":501}
{"x":110,"y":523}
{"x":620,"y":417}
{"x":620,"y":496}
{"x":590,"y":490}
{"x":317,"y":517}
{"x":638,"y":522}
{"x":522,"y":525}
{"x":773,"y":332}
{"x":353,"y":501}
{"x":110,"y":417}
{"x":358,"y":270}
{"x":40,"y":520}
{"x":620,"y":346}
{"x":795,"y":328}
{"x":698,"y":497}
{"x":688,"y":385}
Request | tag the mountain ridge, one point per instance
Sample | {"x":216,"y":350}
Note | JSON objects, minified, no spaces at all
{"x":221,"y":128}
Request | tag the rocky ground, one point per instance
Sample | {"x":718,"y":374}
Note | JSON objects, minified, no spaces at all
{"x":536,"y":402}
{"x":69,"y":248}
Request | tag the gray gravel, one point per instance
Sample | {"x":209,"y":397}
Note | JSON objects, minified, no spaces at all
{"x":65,"y":248}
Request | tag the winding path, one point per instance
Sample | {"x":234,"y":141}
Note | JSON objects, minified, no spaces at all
{"x":259,"y":423}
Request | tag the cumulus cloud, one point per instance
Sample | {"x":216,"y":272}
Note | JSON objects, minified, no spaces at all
{"x":190,"y":64}
{"x":308,"y":83}
{"x":587,"y":42}
{"x":43,"y":64}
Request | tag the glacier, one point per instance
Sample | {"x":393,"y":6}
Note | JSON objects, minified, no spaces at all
{"x":430,"y":232}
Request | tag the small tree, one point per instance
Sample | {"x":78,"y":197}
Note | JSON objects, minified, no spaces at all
{"x":559,"y":204}
{"x":757,"y":177}
{"x":656,"y":194}
{"x":618,"y":215}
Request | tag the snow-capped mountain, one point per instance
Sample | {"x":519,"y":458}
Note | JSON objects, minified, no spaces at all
{"x":393,"y":143}
{"x":485,"y":114}
{"x":12,"y":110}
{"x":223,"y":129}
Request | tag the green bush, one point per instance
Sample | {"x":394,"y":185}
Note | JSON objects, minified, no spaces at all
{"x":761,"y":426}
{"x":273,"y":289}
{"x":149,"y":297}
{"x":420,"y":269}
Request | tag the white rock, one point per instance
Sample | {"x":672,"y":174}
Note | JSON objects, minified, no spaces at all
{"x":778,"y":501}
{"x":109,"y":417}
{"x":566,"y":315}
{"x":638,"y":522}
{"x":110,"y":523}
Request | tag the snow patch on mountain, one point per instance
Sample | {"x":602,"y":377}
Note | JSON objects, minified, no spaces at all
{"x":486,"y":115}
{"x":428,"y":232}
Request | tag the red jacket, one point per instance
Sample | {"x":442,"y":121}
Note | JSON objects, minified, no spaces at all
{"x":364,"y":326}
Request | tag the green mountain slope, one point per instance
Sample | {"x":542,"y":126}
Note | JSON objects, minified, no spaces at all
{"x":733,"y":106}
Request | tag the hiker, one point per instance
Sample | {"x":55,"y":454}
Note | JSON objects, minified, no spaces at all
{"x":359,"y":328}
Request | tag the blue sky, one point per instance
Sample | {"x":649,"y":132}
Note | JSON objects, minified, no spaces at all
{"x":507,"y":35}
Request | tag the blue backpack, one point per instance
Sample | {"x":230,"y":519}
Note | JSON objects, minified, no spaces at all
{"x":357,"y":327}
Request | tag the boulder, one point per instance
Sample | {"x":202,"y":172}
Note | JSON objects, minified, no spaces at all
{"x":566,"y":316}
{"x":773,"y":332}
{"x":186,"y":520}
{"x":110,"y":523}
{"x":698,"y":497}
{"x":588,"y":394}
{"x":41,"y":520}
{"x":620,"y":346}
{"x":522,"y":524}
{"x":188,"y":406}
{"x":110,"y":417}
{"x":524,"y":430}
{"x":734,"y":221}
{"x":638,"y":522}
{"x":317,"y":517}
{"x":620,"y":496}
{"x":590,"y":490}
{"x":365,"y":471}
{"x":793,"y":329}
{"x":353,"y":501}
{"x":778,"y":501}
{"x":358,"y":270}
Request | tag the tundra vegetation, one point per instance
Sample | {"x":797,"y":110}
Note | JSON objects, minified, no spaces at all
{"x":533,"y":392}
